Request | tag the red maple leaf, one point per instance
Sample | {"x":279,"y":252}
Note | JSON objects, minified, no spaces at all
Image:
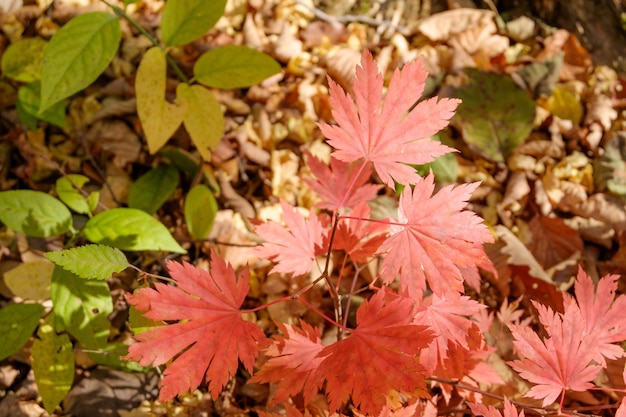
{"x":293,"y":250}
{"x":387,"y":136}
{"x":293,"y":362}
{"x":359,"y":237}
{"x":212,"y":333}
{"x":379,"y":355}
{"x":434,"y":239}
{"x":341,"y":184}
{"x":579,"y":340}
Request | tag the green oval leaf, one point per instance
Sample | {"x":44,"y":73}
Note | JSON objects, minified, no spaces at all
{"x":53,"y":364}
{"x":130,"y":229}
{"x":77,"y":54}
{"x":90,"y":261}
{"x":72,"y":197}
{"x":184,"y":21}
{"x":204,"y":120}
{"x":34,"y":213}
{"x":82,"y":307}
{"x":234,"y":66}
{"x":17,"y":323}
{"x":200,"y":211}
{"x":22,"y":60}
{"x":153,"y":188}
{"x":28,"y":107}
{"x":496,"y":115}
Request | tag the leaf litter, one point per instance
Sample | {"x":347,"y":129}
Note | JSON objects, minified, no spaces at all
{"x":553,"y":194}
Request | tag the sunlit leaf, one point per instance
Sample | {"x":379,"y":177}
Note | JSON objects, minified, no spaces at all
{"x":158,"y":117}
{"x":31,"y":280}
{"x":77,"y":54}
{"x":21,"y":61}
{"x":130,"y":229}
{"x":90,"y":261}
{"x":72,"y":197}
{"x":234,"y":66}
{"x":204,"y":119}
{"x":184,"y":21}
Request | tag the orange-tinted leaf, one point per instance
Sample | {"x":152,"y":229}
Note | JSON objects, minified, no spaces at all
{"x":379,"y":355}
{"x":211,"y":332}
{"x":359,"y":238}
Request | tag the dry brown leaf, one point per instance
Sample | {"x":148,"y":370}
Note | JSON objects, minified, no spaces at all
{"x":116,"y":137}
{"x":441,"y":26}
{"x":115,"y":108}
{"x":515,"y":197}
{"x":592,"y":230}
{"x":520,"y":255}
{"x":287,"y":46}
{"x":340,"y":65}
{"x":552,"y":241}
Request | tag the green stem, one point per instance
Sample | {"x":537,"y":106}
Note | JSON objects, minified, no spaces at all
{"x":122,"y":13}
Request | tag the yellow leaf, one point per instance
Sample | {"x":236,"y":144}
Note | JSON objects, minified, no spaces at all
{"x":565,"y":104}
{"x":204,"y":119}
{"x":159,"y":118}
{"x":31,"y":280}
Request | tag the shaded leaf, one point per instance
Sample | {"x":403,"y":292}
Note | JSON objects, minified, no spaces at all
{"x":28,"y":107}
{"x":496,"y":115}
{"x":53,"y":364}
{"x":17,"y":323}
{"x":234,"y":66}
{"x":77,"y":54}
{"x":90,"y":261}
{"x":159,"y":118}
{"x":130,"y":229}
{"x":154,"y":188}
{"x":200,"y":210}
{"x":30,"y":280}
{"x":34,"y":213}
{"x":184,"y":21}
{"x":72,"y":197}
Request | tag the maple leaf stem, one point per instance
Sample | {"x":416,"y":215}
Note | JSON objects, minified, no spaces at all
{"x":264,"y":306}
{"x":381,"y":221}
{"x":324,"y":316}
{"x":143,"y":273}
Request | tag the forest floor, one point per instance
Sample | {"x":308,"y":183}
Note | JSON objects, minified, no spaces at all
{"x":553,"y":178}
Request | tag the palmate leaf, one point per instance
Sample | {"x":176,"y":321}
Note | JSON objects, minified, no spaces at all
{"x":387,"y":136}
{"x":435,"y":240}
{"x":210,"y":332}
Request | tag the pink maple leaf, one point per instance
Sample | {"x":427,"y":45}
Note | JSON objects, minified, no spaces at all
{"x":341,"y":184}
{"x":434,"y":239}
{"x":210,"y":333}
{"x":491,"y":411}
{"x":393,"y":135}
{"x":293,"y":362}
{"x":293,"y":250}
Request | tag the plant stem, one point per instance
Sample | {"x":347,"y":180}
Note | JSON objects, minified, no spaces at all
{"x":122,"y":13}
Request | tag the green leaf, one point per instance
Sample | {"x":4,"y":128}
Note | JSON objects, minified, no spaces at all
{"x":82,"y":307}
{"x":184,"y":21}
{"x":496,"y":115}
{"x":234,"y":66}
{"x":77,"y":54}
{"x":204,"y":120}
{"x":90,"y":261}
{"x":110,"y":356}
{"x":34,"y":213}
{"x":130,"y":229}
{"x":17,"y":323}
{"x":53,"y":364}
{"x":200,"y":211}
{"x":446,"y":167}
{"x":21,"y":61}
{"x":30,"y":280}
{"x":140,"y":323}
{"x":154,"y":188}
{"x":72,"y":197}
{"x":28,"y":107}
{"x":610,"y":167}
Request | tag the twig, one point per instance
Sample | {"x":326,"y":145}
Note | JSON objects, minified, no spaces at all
{"x":321,"y":15}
